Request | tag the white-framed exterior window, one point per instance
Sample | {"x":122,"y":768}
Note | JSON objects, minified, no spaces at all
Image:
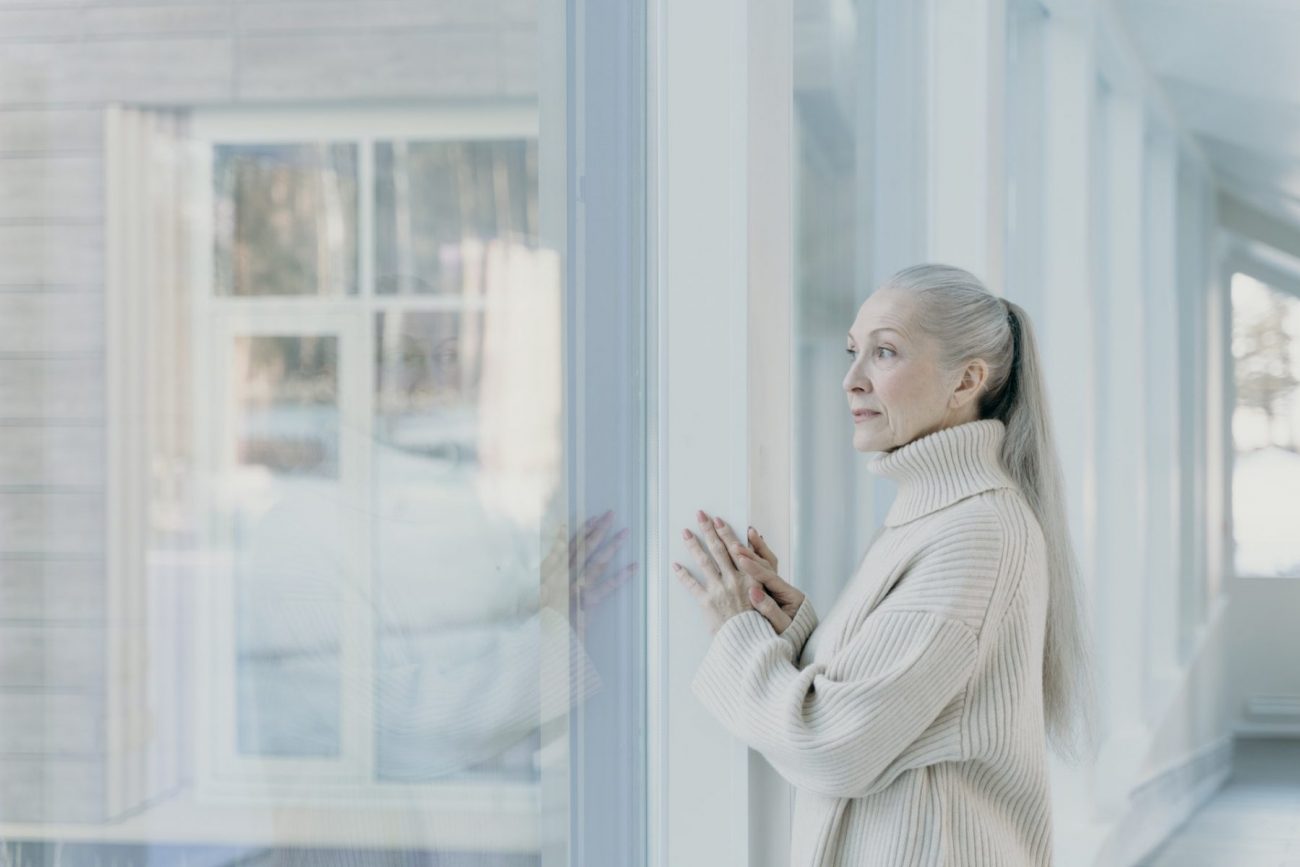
{"x":316,"y":313}
{"x":1265,"y":335}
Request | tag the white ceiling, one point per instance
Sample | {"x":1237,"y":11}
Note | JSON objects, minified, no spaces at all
{"x":1231,"y":71}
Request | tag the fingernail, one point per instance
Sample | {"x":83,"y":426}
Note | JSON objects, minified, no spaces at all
{"x":752,"y":530}
{"x":686,"y":534}
{"x":703,"y":518}
{"x":717,"y":522}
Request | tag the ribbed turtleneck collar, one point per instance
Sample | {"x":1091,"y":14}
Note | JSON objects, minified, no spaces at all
{"x":942,"y":467}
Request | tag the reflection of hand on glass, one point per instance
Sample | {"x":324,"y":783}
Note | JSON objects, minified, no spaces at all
{"x":594,"y":582}
{"x":461,"y":696}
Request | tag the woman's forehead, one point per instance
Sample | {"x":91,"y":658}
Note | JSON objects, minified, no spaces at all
{"x":884,"y":307}
{"x":881,"y":316}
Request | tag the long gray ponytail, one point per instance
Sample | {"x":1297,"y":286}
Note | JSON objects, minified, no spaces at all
{"x":968,"y":321}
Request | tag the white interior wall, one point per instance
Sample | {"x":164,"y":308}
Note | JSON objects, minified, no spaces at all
{"x":1161,"y":661}
{"x":1263,"y":645}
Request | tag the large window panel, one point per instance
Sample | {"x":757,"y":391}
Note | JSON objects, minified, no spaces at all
{"x":1024,"y":154}
{"x":376,"y":450}
{"x":387,"y":465}
{"x":834,"y":125}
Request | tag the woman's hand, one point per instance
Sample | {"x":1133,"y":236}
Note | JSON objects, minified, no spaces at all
{"x":728,"y":589}
{"x":760,"y":564}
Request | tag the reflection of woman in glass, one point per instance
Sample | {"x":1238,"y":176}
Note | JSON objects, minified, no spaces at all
{"x":477,"y":650}
{"x":461,"y":694}
{"x":913,"y":721}
{"x":469,"y":566}
{"x":449,"y":693}
{"x":490,"y":382}
{"x":472,"y":484}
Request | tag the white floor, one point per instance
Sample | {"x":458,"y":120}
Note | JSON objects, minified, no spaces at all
{"x":1253,"y":821}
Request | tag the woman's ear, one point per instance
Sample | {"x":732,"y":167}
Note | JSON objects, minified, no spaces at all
{"x":973,"y":379}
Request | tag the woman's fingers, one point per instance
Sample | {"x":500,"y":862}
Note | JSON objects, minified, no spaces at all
{"x":760,"y":545}
{"x":729,"y":539}
{"x":751,"y":564}
{"x":687,"y":579}
{"x":783,"y":591}
{"x":709,"y":568}
{"x":767,"y":606}
{"x":711,"y":538}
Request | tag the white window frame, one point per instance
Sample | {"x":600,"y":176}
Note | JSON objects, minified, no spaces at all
{"x":223,"y":776}
{"x":1163,"y":437}
{"x":721,"y":80}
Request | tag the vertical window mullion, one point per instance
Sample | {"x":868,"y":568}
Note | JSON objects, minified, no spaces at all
{"x":366,"y":218}
{"x":355,"y":441}
{"x":363,"y":362}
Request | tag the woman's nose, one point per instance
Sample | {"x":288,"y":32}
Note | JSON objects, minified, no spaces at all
{"x":853,"y":377}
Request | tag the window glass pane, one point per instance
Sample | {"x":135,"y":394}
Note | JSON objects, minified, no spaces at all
{"x":1023,"y":120}
{"x":832,"y":278}
{"x":365,"y":397}
{"x":285,"y":497}
{"x":1266,"y":429}
{"x":437,"y":204}
{"x":285,"y":219}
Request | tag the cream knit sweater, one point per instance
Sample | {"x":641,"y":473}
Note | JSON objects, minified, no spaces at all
{"x":910,"y":720}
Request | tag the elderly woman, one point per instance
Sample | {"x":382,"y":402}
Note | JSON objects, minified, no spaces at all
{"x":914,"y":720}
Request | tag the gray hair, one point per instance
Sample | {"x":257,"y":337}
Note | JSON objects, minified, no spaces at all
{"x":967,"y":321}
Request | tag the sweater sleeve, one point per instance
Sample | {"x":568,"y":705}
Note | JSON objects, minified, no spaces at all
{"x":801,"y":626}
{"x":837,"y":726}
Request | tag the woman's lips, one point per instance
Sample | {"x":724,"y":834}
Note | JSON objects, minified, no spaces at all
{"x":866,"y":415}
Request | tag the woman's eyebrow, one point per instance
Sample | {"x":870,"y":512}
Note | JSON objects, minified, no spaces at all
{"x":878,"y":330}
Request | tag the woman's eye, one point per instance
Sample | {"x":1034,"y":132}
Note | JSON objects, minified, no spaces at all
{"x":879,"y":349}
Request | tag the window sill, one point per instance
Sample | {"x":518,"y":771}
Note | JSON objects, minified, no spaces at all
{"x":460,"y":816}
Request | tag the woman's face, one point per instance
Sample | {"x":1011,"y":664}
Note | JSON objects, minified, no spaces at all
{"x":894,"y":371}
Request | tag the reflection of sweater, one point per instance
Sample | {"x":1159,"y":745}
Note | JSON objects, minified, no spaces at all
{"x":910,"y":720}
{"x":470,"y":694}
{"x":455,"y":683}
